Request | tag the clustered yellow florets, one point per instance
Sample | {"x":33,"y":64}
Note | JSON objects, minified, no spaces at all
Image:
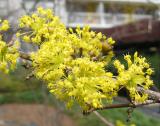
{"x":8,"y":55}
{"x":136,"y":74}
{"x":4,"y":25}
{"x":41,"y":26}
{"x":72,"y":62}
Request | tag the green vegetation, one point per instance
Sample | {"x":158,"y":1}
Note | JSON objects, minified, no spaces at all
{"x":138,"y":118}
{"x":22,"y":97}
{"x":15,"y":81}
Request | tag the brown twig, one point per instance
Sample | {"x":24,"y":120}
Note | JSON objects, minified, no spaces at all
{"x":11,"y":42}
{"x":126,"y":105}
{"x":152,"y":94}
{"x":24,"y":56}
{"x":155,"y":96}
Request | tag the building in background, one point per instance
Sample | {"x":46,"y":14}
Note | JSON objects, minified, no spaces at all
{"x":96,"y":13}
{"x":107,"y":16}
{"x":107,"y":13}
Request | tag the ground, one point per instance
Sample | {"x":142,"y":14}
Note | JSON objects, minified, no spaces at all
{"x":32,"y":115}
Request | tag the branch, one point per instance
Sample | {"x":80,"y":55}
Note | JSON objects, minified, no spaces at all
{"x":24,"y":56}
{"x":31,"y":9}
{"x":104,"y":120}
{"x":126,"y":105}
{"x":152,"y":94}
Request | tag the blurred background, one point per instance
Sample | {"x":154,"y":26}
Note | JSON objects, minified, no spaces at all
{"x":134,"y":24}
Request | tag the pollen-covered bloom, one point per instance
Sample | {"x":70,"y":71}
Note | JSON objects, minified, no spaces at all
{"x":137,"y":73}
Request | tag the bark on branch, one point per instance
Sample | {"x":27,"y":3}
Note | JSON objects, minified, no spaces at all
{"x":152,"y":94}
{"x":126,"y":105}
{"x":24,"y":56}
{"x":155,"y":96}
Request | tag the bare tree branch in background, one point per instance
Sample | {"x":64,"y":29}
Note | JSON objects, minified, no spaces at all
{"x":32,"y":8}
{"x":104,"y":120}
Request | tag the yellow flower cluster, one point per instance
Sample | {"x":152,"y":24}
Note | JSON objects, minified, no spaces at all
{"x":4,"y":25}
{"x":72,"y":62}
{"x":8,"y":55}
{"x":40,"y":26}
{"x":136,"y":74}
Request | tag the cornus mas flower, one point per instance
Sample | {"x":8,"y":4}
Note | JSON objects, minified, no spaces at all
{"x":136,"y":74}
{"x":74,"y":67}
{"x":4,"y":25}
{"x":8,"y":55}
{"x":72,"y":62}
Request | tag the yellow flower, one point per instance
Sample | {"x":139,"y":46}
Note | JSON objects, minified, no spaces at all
{"x":136,"y":74}
{"x":110,"y":41}
{"x":26,"y":38}
{"x":4,"y":26}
